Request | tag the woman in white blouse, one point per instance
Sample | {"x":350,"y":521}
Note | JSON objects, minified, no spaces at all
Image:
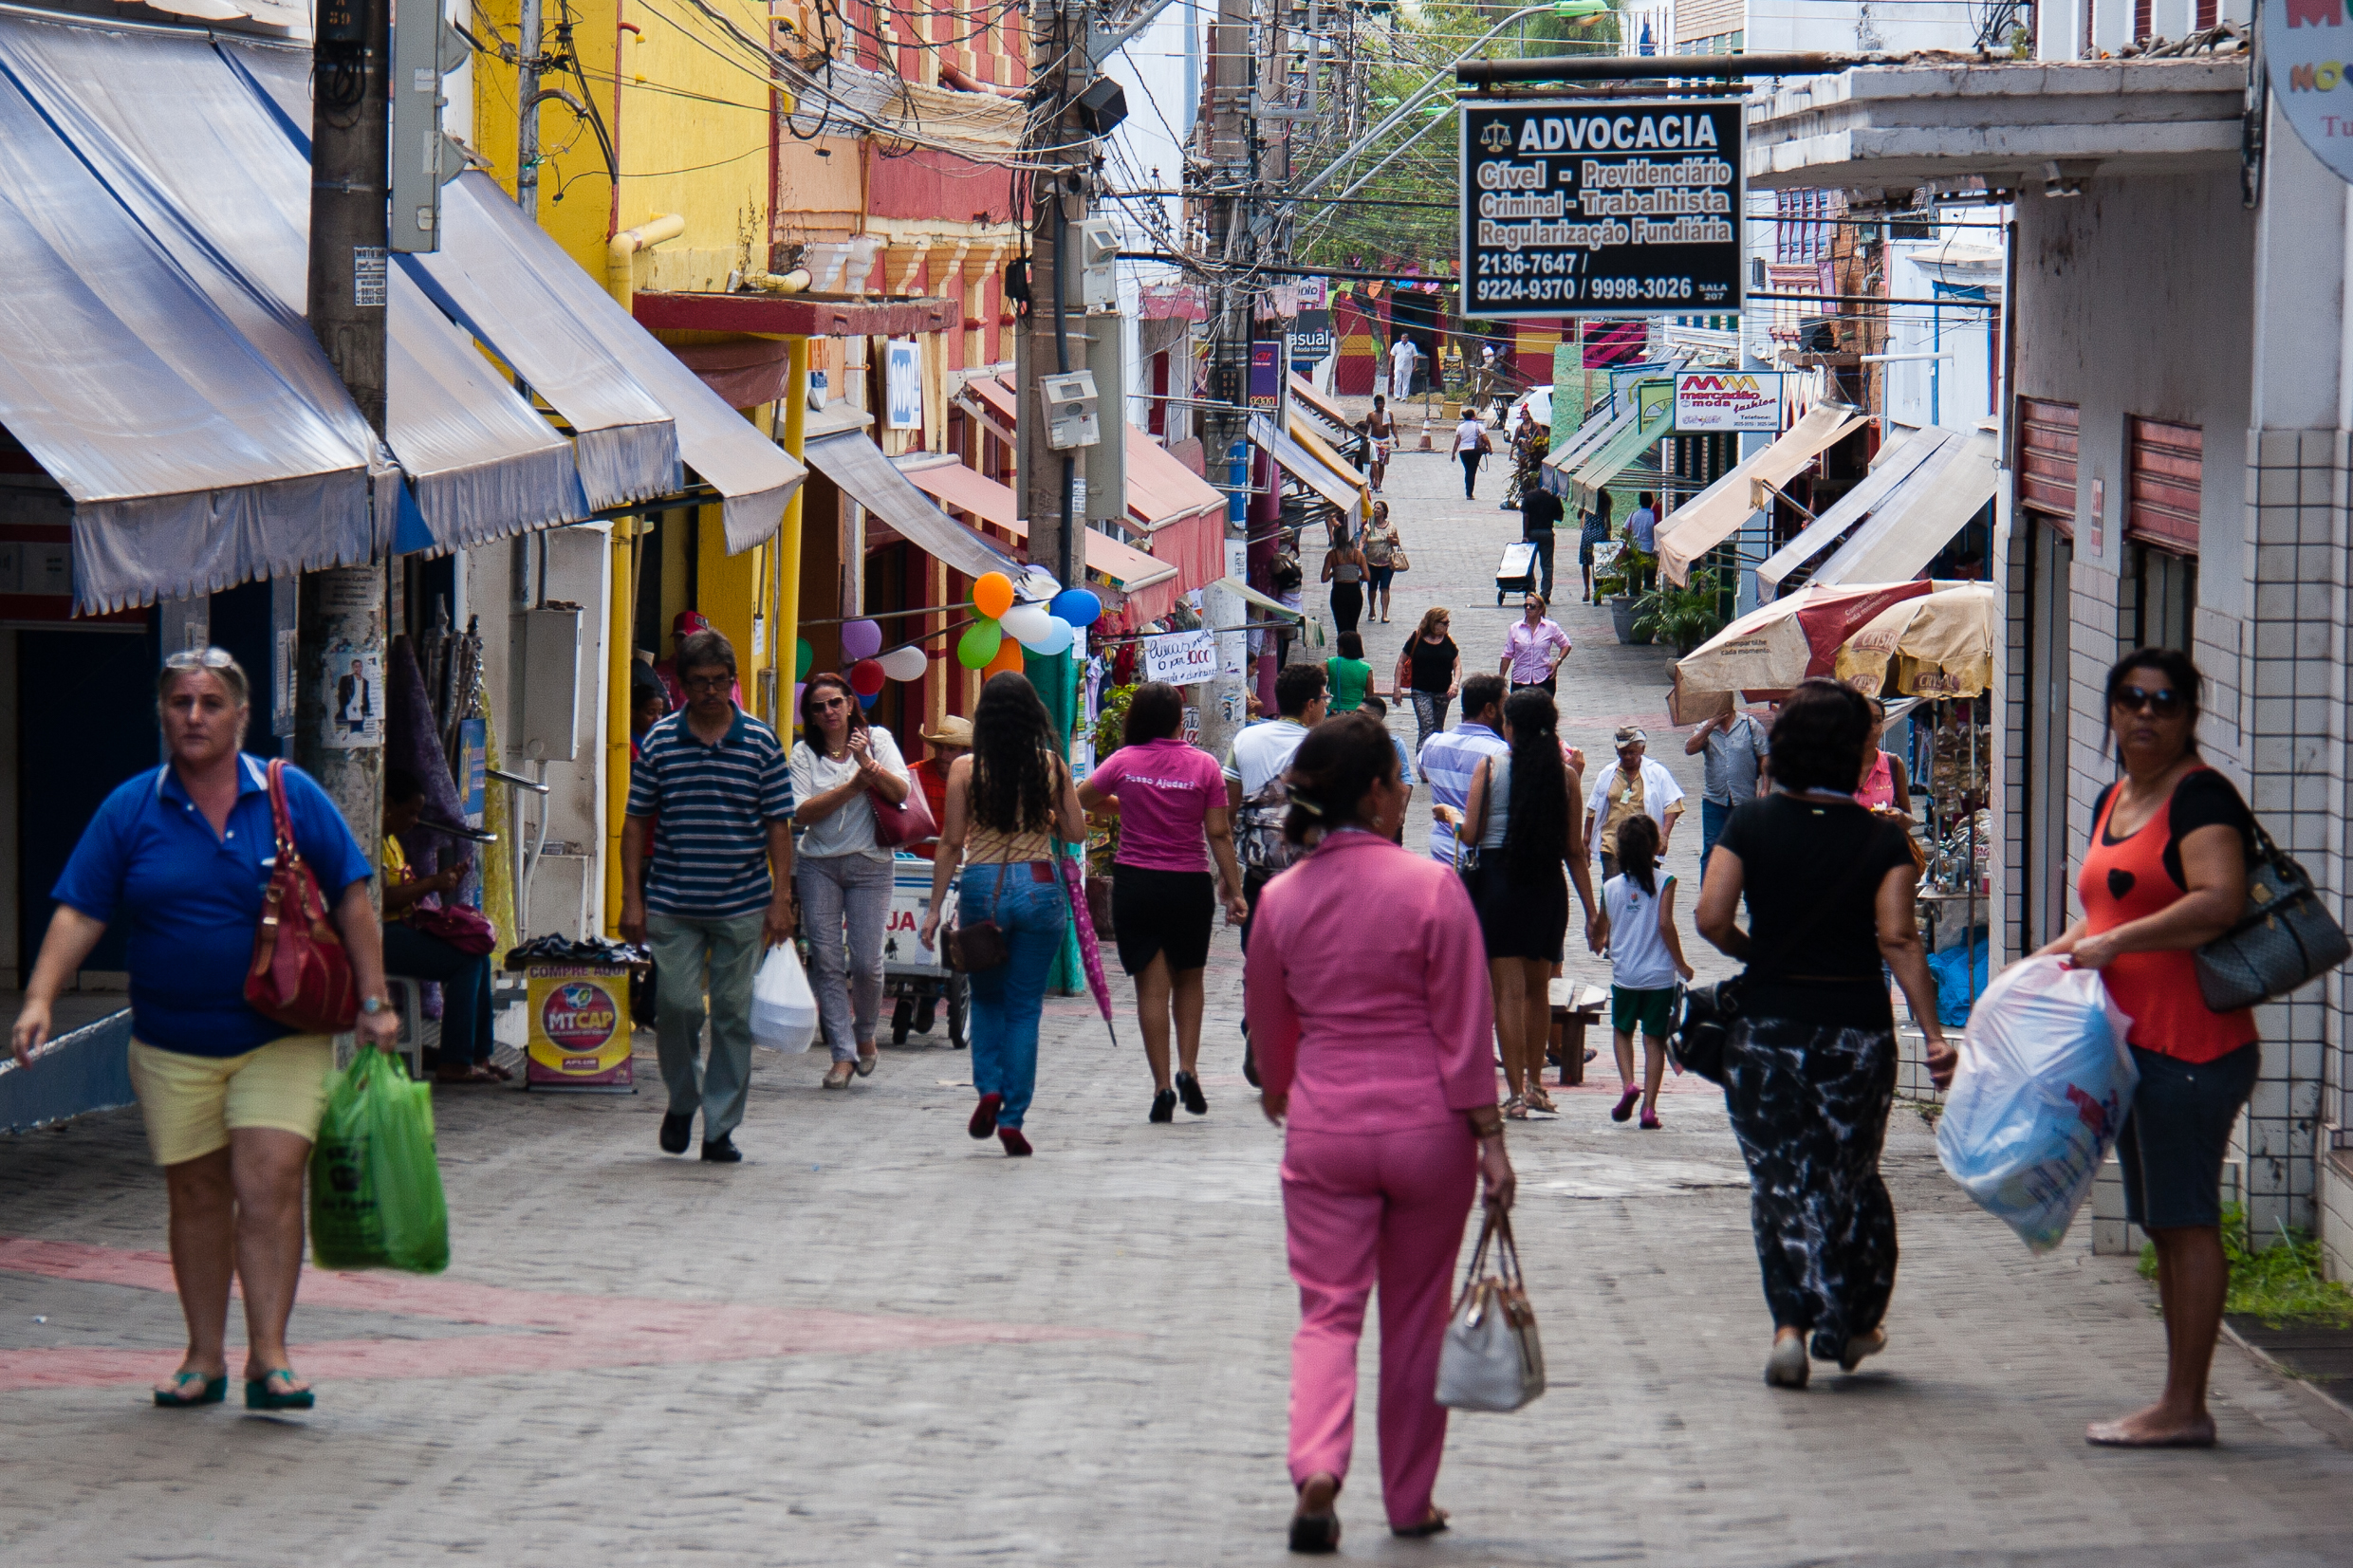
{"x":842,"y":875}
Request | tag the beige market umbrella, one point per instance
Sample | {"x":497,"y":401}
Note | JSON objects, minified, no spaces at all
{"x":1777,"y":645}
{"x":1937,"y":646}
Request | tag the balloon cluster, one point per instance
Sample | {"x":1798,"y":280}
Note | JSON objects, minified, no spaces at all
{"x":994,"y":642}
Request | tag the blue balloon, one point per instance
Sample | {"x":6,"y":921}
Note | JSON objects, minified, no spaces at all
{"x":868,"y":699}
{"x":1077,"y":606}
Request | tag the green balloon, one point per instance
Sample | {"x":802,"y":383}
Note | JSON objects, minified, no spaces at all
{"x":803,"y":656}
{"x":979,"y":644}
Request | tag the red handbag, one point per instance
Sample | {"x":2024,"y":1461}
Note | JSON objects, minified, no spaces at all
{"x":461,"y":926}
{"x":301,"y":975}
{"x":908,"y":822}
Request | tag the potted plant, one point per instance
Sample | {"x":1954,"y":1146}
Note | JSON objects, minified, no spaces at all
{"x":1680,"y":617}
{"x":1633,"y":570}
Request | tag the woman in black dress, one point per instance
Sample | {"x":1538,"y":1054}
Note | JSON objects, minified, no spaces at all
{"x":1812,"y":1060}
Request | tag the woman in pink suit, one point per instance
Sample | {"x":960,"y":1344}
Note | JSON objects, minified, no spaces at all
{"x":1382,"y":1060}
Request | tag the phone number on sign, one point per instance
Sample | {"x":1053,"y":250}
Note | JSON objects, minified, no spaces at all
{"x":1566,"y":290}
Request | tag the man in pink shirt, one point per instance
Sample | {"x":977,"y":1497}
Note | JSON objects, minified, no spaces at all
{"x":1170,"y":800}
{"x":1533,"y":649}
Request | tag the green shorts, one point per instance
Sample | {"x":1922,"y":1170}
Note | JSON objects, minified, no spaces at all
{"x":1641,"y":1012}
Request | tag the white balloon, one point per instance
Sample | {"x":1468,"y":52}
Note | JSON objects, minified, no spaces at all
{"x":1025,"y":624}
{"x":1058,"y":637}
{"x":905,"y":663}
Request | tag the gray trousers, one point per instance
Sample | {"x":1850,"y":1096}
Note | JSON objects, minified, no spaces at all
{"x":683,"y":946}
{"x":843,"y":893}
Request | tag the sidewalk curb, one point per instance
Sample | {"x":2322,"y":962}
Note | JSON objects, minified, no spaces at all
{"x":2329,"y":1415}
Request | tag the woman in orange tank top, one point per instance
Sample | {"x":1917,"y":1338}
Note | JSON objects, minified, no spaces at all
{"x":2164,"y":874}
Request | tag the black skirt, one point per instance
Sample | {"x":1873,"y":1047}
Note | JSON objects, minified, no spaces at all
{"x":1162,"y":911}
{"x":1523,"y":915}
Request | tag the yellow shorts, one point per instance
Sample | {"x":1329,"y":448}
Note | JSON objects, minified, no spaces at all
{"x":192,"y":1103}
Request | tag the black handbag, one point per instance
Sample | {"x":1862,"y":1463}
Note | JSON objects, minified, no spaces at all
{"x":1699,"y":1031}
{"x":2287,"y":937}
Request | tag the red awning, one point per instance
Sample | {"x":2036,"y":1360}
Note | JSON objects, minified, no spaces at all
{"x":1149,"y":585}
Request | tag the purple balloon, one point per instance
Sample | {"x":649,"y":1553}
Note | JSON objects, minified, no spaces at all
{"x":860,"y":639}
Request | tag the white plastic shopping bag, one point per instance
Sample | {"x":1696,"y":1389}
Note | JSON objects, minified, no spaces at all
{"x":784,"y":1009}
{"x":2043,"y":1082}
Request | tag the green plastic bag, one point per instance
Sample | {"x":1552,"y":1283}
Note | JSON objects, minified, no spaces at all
{"x":374,"y":1184}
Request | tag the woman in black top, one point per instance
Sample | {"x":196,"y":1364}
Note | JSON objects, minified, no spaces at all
{"x":1812,"y":1060}
{"x":1430,"y":666}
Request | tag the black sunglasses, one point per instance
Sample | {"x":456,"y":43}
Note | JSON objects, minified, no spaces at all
{"x":2164,"y":703}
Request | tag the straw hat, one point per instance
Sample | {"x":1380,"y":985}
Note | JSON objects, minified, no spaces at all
{"x":952,"y":730}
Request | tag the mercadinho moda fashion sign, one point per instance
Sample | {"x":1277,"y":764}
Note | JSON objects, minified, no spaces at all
{"x":1601,"y":208}
{"x":2308,"y":47}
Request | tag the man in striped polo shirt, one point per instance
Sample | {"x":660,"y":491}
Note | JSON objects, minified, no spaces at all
{"x":711,"y":790}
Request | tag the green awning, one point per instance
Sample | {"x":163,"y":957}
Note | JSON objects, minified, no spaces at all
{"x":1630,"y":442}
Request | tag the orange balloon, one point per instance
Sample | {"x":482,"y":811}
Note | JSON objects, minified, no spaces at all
{"x":992,"y":593}
{"x":1009,"y":657}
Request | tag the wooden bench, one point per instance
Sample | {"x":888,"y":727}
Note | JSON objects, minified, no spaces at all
{"x":1574,"y":1007}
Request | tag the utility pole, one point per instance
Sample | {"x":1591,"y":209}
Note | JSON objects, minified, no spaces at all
{"x":339,"y":710}
{"x":1058,"y":200}
{"x":527,"y":97}
{"x":1224,"y":178}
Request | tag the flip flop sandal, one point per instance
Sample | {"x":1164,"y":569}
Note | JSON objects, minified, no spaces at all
{"x":208,"y":1390}
{"x":1430,"y":1526}
{"x":263,"y":1392}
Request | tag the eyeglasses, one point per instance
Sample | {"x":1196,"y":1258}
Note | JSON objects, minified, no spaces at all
{"x":2164,"y":703}
{"x":199,"y":659}
{"x":828,"y":704}
{"x":708,"y":683}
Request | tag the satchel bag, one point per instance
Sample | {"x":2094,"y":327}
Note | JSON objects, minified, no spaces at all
{"x":1399,"y":561}
{"x":979,"y":944}
{"x":2286,"y":939}
{"x":301,"y":975}
{"x":907,"y":823}
{"x":1490,"y":1359}
{"x":461,"y":926}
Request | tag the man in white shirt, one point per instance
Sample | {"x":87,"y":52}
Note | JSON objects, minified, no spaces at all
{"x":1636,"y":785}
{"x":1257,"y":801}
{"x":1401,"y":357}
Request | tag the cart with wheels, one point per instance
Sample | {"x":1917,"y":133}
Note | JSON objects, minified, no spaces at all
{"x":1516,"y":572}
{"x":913,"y":978}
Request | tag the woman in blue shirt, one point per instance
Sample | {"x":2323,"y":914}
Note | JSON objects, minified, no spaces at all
{"x":180,"y":856}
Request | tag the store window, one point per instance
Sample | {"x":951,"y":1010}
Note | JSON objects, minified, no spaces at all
{"x":2165,"y":592}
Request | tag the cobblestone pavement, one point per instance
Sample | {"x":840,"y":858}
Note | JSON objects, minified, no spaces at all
{"x":878,"y":1343}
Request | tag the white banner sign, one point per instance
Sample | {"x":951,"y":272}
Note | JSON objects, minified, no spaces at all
{"x":1181,"y":659}
{"x":1713,"y":402}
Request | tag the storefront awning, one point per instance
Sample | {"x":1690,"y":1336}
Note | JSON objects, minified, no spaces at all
{"x":1892,"y":471}
{"x":1305,"y":398}
{"x":185,"y":142}
{"x":1305,"y":467}
{"x":1180,"y":515}
{"x":1711,"y":517}
{"x":1920,"y":517}
{"x":853,"y":461}
{"x":624,"y":444}
{"x":195,"y":461}
{"x":1566,"y":459}
{"x":1634,"y":436}
{"x":1149,"y":586}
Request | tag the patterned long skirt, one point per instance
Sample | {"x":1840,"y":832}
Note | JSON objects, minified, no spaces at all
{"x":1810,"y":1105}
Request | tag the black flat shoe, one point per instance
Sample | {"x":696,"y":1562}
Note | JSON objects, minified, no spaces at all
{"x":677,"y":1132}
{"x":1250,"y":1067}
{"x":1428,"y":1528}
{"x":1196,"y":1103}
{"x":1164,"y":1105}
{"x":722,"y":1151}
{"x":1315,"y":1534}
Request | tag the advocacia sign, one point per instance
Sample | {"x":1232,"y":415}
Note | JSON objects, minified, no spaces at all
{"x":1608,"y":207}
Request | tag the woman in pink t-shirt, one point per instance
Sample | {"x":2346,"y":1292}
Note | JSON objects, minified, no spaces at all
{"x":1170,"y":798}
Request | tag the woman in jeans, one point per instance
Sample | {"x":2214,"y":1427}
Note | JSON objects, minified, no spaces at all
{"x":2164,"y":874}
{"x":1518,"y":813}
{"x":1006,"y":802}
{"x":841,"y":876}
{"x":178,"y":859}
{"x":1169,"y":797}
{"x":1812,"y":1060}
{"x":1430,"y":667}
{"x":1372,"y":1045}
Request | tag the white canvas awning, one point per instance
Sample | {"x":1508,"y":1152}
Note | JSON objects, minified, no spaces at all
{"x":1709,"y":518}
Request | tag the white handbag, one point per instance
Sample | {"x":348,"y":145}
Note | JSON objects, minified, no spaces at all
{"x":1491,"y":1360}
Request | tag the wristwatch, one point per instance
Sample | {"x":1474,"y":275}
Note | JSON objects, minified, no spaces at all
{"x":373,"y":1004}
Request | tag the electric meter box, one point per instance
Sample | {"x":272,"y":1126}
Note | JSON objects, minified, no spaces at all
{"x":1094,"y":276}
{"x":550,"y":726}
{"x":1070,"y":417}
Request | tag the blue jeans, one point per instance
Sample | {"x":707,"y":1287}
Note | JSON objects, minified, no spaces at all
{"x":1007,"y":1000}
{"x":1542,"y":539}
{"x":465,"y":978}
{"x":1712,"y":820}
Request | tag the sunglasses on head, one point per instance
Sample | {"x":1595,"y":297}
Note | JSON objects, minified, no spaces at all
{"x":2164,"y":703}
{"x":199,"y":659}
